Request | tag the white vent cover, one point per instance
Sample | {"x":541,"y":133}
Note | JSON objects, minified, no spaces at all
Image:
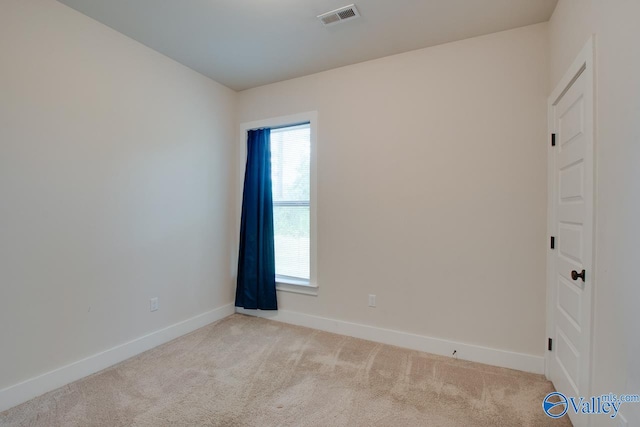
{"x":339,"y":15}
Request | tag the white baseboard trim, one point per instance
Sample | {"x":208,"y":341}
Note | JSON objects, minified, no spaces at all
{"x":26,"y":390}
{"x":474,"y":353}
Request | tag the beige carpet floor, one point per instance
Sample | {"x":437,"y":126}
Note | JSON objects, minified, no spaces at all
{"x":245,"y":371}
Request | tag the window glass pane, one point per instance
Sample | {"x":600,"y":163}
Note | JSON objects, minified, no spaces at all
{"x":290,"y":148}
{"x":291,"y":225}
{"x":290,"y":161}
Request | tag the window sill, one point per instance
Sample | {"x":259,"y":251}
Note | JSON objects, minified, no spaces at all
{"x":296,"y":287}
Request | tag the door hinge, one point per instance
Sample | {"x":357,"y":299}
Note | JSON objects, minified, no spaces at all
{"x":553,"y":139}
{"x":550,"y":344}
{"x":553,"y":242}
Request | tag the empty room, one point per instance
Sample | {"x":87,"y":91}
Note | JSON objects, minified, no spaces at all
{"x":319,"y":213}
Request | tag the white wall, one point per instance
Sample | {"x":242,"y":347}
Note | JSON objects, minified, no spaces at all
{"x":115,"y":186}
{"x":432,"y":189}
{"x":617,"y":290}
{"x":567,"y":39}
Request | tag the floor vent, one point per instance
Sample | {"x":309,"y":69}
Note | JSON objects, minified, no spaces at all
{"x":339,"y":15}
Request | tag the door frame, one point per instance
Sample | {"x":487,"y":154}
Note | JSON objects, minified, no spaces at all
{"x":583,"y":65}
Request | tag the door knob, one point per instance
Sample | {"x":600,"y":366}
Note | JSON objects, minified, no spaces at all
{"x":575,"y":275}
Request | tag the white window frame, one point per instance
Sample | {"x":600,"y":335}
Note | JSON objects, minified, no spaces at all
{"x":311,"y":117}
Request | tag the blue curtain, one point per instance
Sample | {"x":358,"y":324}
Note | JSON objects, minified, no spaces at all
{"x":256,"y":287}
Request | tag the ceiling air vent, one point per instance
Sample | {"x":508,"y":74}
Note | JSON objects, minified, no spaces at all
{"x":339,"y":15}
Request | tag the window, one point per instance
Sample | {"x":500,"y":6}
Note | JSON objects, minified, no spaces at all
{"x":293,"y":172}
{"x":291,"y":186}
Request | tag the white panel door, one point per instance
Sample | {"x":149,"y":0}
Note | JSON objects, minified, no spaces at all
{"x":571,"y":223}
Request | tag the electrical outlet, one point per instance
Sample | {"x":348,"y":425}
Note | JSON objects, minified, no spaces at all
{"x":153,"y":304}
{"x":372,"y":300}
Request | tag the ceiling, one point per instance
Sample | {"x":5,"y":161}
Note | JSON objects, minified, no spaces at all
{"x":248,"y":43}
